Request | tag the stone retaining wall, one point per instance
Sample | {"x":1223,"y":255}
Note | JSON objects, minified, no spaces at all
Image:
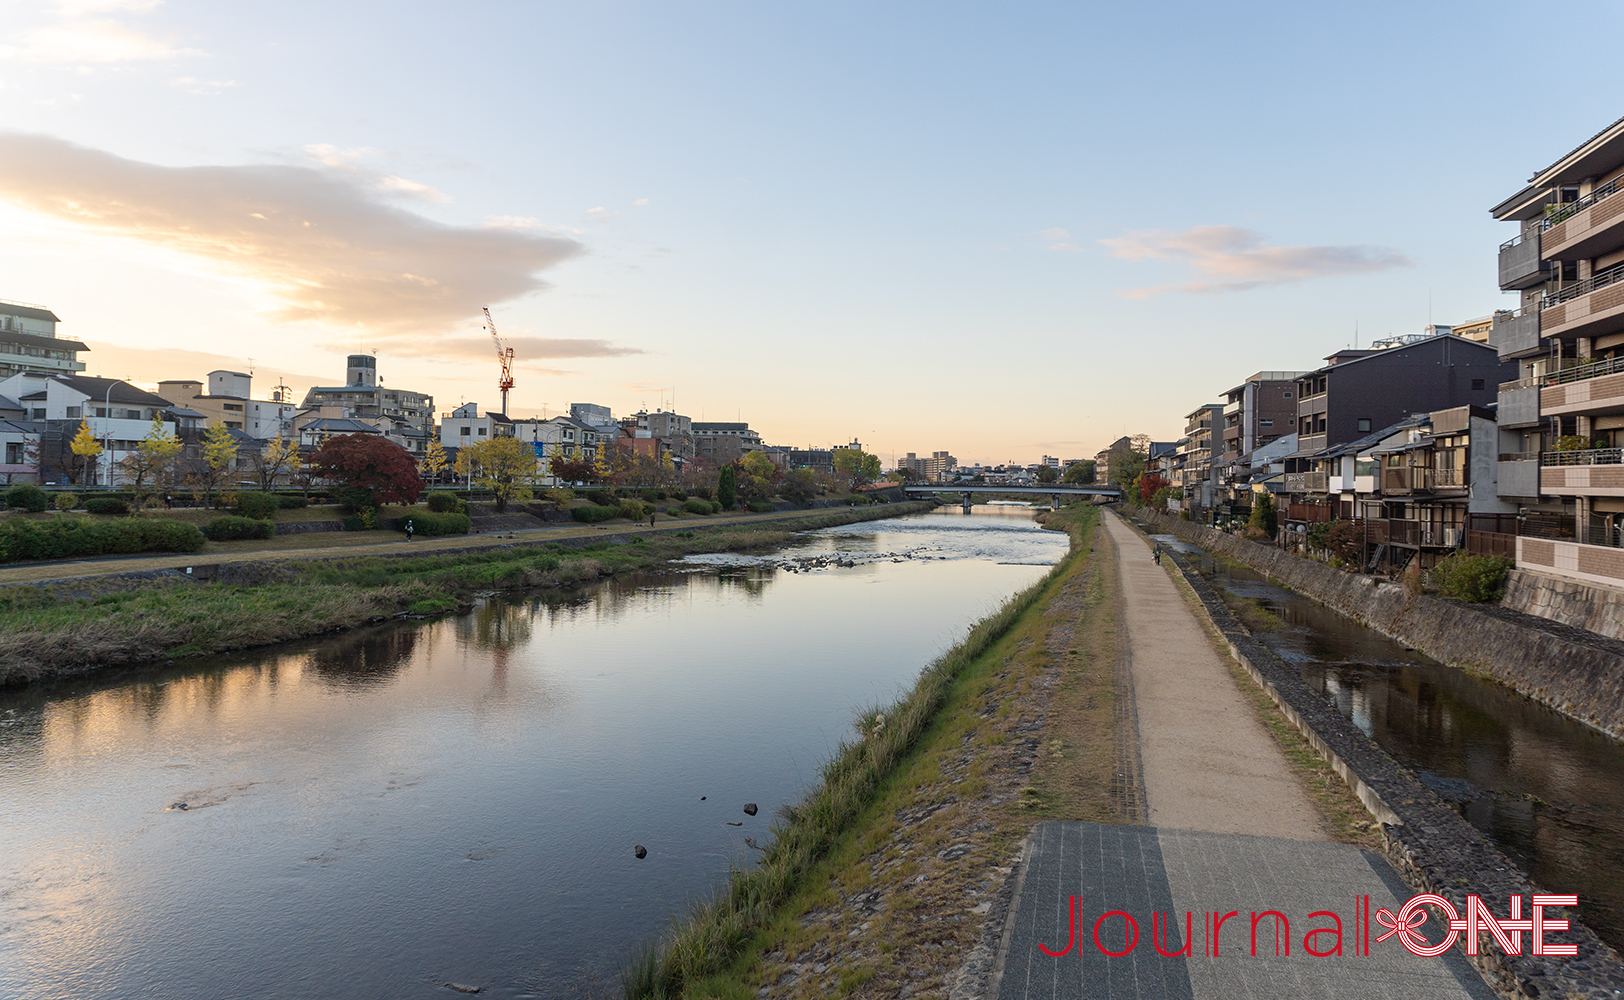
{"x":1576,"y":672}
{"x":1432,"y":846}
{"x":1582,"y":605}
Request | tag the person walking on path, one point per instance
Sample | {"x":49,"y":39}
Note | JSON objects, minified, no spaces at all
{"x":409,"y":529}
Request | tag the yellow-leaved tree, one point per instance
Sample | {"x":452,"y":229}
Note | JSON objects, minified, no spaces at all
{"x":151,"y":458}
{"x":87,"y":448}
{"x":505,"y":466}
{"x":219,"y":451}
{"x":273,"y":461}
{"x":433,"y":461}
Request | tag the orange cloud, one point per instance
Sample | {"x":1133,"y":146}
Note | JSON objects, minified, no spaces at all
{"x":1232,"y":259}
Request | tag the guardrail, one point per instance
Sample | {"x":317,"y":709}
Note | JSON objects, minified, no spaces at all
{"x":1588,"y":456}
{"x":1603,"y":279}
{"x":1572,"y":208}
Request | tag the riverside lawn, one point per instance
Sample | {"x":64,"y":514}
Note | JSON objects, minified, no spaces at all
{"x":77,"y":625}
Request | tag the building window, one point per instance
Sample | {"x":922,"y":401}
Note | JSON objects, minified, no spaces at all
{"x":14,"y":453}
{"x":39,"y":413}
{"x":1364,"y":425}
{"x":1286,"y":394}
{"x":1477,"y":383}
{"x":467,"y":431}
{"x":482,"y":432}
{"x":75,"y":411}
{"x":1266,"y":422}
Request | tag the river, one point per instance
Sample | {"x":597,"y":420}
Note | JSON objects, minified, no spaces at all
{"x":457,"y":801}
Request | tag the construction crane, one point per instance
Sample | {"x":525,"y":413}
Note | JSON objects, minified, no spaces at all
{"x":504,"y":355}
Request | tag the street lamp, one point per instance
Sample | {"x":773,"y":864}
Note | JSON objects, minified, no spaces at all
{"x":107,"y":429}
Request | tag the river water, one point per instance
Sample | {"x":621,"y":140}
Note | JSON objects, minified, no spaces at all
{"x":1547,"y":790}
{"x":457,"y":801}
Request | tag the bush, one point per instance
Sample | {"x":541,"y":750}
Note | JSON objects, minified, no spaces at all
{"x":229,"y":528}
{"x":1472,"y":578}
{"x":260,"y":506}
{"x":286,"y":502}
{"x":65,"y":501}
{"x":444,"y":502}
{"x":761,"y":507}
{"x":362,"y":520}
{"x":437,"y":522}
{"x":561,"y":495}
{"x":593,"y":514}
{"x":64,"y":539}
{"x":694,"y":505}
{"x":632,"y":510}
{"x":1263,"y":514}
{"x":716,"y":506}
{"x":107,"y":505}
{"x":27,"y":496}
{"x":702,"y":492}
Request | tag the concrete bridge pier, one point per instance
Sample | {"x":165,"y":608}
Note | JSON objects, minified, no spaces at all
{"x":967,"y":499}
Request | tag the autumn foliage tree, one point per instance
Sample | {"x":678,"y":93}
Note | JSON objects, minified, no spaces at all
{"x":572,"y":470}
{"x":1150,"y":483}
{"x":370,"y":464}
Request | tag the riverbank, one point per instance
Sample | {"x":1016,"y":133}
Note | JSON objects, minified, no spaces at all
{"x":79,"y":623}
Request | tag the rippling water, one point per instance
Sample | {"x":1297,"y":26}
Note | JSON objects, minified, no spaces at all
{"x":457,"y":801}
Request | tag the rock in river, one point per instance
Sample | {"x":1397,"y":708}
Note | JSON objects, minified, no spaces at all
{"x":749,"y":808}
{"x":640,"y":851}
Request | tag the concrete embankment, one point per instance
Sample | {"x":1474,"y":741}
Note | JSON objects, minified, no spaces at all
{"x":1576,"y":672}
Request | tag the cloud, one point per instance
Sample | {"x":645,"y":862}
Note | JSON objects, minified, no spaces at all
{"x":1232,"y":259}
{"x":525,"y":349}
{"x":322,"y":241}
{"x":640,"y":202}
{"x":149,"y":364}
{"x":193,"y":85}
{"x":79,"y":36}
{"x":349,"y":161}
{"x":601,"y":214}
{"x":1058,"y":239}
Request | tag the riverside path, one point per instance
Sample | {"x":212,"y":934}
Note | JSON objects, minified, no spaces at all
{"x":1230,"y":830}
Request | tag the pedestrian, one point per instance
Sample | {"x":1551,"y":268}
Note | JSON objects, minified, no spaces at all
{"x":169,"y":502}
{"x":1156,"y":553}
{"x":651,"y":516}
{"x":409,"y":529}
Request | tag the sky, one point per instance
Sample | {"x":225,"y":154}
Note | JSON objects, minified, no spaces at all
{"x":1004,"y":230}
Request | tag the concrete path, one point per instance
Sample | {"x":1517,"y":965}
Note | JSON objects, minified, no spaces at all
{"x":1208,"y":763}
{"x":1144,"y":872}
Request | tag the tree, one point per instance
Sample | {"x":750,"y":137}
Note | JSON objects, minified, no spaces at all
{"x":1150,"y":484}
{"x":799,"y":486}
{"x":219,"y":452}
{"x":433,"y":461}
{"x":1126,"y":467}
{"x":858,"y":466}
{"x":727,"y":490}
{"x":505,"y":466}
{"x":87,"y":448}
{"x":757,"y":476}
{"x":381,"y":469}
{"x":564,"y":468}
{"x":1079,"y":473}
{"x":272,"y":461}
{"x":151,"y":458}
{"x":1263,"y":513}
{"x":1048,"y":474}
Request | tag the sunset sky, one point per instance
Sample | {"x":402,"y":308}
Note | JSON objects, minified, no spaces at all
{"x":1002,"y":230}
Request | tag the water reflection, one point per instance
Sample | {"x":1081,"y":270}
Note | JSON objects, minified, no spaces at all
{"x":1547,"y":790}
{"x":455,"y":800}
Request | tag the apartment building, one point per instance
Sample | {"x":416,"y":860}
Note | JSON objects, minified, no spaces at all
{"x":1199,"y":477}
{"x":1562,"y":418}
{"x":119,"y":414}
{"x":939,"y":467}
{"x":400,"y":415}
{"x":226,"y":399}
{"x":29,"y":342}
{"x":724,"y":442}
{"x":466,"y":425}
{"x":674,"y":431}
{"x":1258,"y":412}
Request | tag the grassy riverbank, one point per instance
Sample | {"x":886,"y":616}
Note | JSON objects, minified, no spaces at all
{"x":53,"y":629}
{"x":881,"y":877}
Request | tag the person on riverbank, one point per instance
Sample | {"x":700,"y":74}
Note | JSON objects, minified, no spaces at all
{"x":1156,"y":552}
{"x":409,"y":529}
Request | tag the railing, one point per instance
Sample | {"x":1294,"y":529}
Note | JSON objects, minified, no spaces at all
{"x":1579,"y":373}
{"x":1572,"y":208}
{"x":1311,"y":513}
{"x":1517,"y":240}
{"x":1491,"y":543}
{"x":1407,"y":479}
{"x":1519,"y":456}
{"x":1602,"y":279}
{"x":1588,"y":456}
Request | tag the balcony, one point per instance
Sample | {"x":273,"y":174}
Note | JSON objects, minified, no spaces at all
{"x":1311,"y":442}
{"x":1305,"y":482}
{"x":1519,"y":404}
{"x":1594,"y":472}
{"x":1520,"y":263}
{"x":1518,"y":474}
{"x":1590,"y":563}
{"x":1589,"y":227}
{"x":1585,"y":308}
{"x":1517,"y":333}
{"x":1594,"y":388}
{"x":1418,"y":480}
{"x":1310,"y":513}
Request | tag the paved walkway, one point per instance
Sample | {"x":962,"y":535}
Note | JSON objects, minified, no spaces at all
{"x":1209,"y":764}
{"x":1231,"y":830}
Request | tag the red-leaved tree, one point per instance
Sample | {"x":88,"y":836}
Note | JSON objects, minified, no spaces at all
{"x":1148,"y":485}
{"x":572,"y":470}
{"x":367,"y":462}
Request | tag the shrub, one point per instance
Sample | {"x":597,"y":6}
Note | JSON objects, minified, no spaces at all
{"x":650,"y":495}
{"x":438,"y":523}
{"x":1472,"y":578}
{"x":229,"y":528}
{"x":716,"y":506}
{"x":727,"y":489}
{"x":761,"y":507}
{"x":632,"y":510}
{"x":444,"y":502}
{"x":65,"y":501}
{"x":694,"y":505}
{"x":62,"y":539}
{"x":1263,"y":514}
{"x":1319,"y":535}
{"x":260,"y":506}
{"x":286,"y":502}
{"x":362,"y":520}
{"x":561,"y":495}
{"x":27,"y":496}
{"x":592,"y":514}
{"x":107,"y":505}
{"x":702,"y":492}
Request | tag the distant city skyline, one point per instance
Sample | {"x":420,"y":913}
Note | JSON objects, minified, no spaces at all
{"x":1002,"y":232}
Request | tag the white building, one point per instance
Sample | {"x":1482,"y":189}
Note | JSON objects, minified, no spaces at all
{"x":29,"y":342}
{"x":228,"y":401}
{"x":119,"y":414}
{"x":466,"y":425}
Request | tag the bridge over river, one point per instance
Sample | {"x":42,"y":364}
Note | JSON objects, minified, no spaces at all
{"x":1054,"y":491}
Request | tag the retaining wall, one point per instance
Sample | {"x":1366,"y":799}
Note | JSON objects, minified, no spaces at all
{"x":1571,"y":602}
{"x":1576,"y":672}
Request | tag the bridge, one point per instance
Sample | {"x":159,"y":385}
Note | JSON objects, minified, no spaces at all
{"x":1054,"y":491}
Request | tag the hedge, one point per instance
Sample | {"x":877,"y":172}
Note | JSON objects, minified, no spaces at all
{"x":437,"y":523}
{"x":443,"y":502}
{"x":230,"y":528}
{"x":594,"y":514}
{"x":107,"y":505}
{"x":632,"y":510}
{"x":286,"y":502}
{"x":761,"y":507}
{"x":694,"y":505}
{"x":262,"y":506}
{"x":27,"y":496}
{"x":65,"y":538}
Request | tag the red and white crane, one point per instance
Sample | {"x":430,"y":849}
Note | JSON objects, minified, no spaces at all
{"x":504,"y":355}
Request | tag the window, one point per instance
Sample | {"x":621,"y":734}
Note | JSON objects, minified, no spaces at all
{"x":14,"y":453}
{"x":39,"y":413}
{"x":75,"y":411}
{"x":482,"y":432}
{"x":1266,"y":422}
{"x":1477,"y":383}
{"x":1286,"y":394}
{"x":467,"y":431}
{"x":1364,"y":425}
{"x":101,"y":411}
